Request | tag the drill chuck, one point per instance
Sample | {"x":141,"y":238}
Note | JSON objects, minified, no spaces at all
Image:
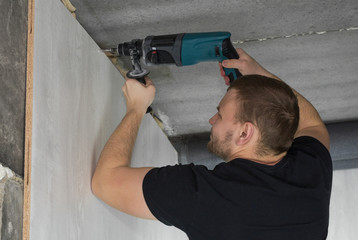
{"x":124,"y":49}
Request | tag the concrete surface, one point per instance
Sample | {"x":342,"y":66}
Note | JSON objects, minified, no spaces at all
{"x":11,"y":204}
{"x":77,"y":104}
{"x":13,"y":32}
{"x":113,"y":21}
{"x":310,"y":48}
{"x":344,"y":144}
{"x":343,"y":136}
{"x":193,"y":149}
{"x":12,"y":210}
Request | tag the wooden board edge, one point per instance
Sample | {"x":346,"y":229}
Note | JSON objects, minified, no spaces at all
{"x":28,"y":120}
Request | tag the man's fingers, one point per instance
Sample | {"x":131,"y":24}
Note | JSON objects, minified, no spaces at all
{"x":131,"y":81}
{"x":227,"y":80}
{"x":235,"y":63}
{"x":232,"y":63}
{"x":222,"y":73}
{"x":241,"y":52}
{"x":148,"y":81}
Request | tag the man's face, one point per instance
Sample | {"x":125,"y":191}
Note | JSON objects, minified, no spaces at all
{"x":223,"y":125}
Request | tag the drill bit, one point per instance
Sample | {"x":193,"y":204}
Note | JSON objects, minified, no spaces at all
{"x":113,"y":52}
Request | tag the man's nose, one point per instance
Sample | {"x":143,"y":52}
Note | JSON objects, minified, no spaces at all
{"x":213,"y":119}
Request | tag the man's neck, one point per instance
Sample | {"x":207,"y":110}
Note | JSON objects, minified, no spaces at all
{"x":269,"y":160}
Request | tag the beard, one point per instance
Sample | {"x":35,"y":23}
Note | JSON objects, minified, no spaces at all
{"x":221,"y":148}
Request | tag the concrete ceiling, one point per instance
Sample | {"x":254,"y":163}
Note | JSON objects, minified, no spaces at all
{"x":311,"y":44}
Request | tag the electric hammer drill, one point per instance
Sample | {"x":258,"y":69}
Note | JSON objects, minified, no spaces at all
{"x":180,"y":49}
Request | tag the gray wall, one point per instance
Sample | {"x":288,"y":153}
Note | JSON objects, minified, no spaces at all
{"x":344,"y":144}
{"x":344,"y":147}
{"x":13,"y":41}
{"x":13,"y":32}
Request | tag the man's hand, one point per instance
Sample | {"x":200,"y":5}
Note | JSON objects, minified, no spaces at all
{"x":245,"y":64}
{"x":138,"y":96}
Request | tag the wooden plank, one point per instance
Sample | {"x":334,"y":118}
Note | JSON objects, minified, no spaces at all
{"x":77,"y":103}
{"x":28,"y":121}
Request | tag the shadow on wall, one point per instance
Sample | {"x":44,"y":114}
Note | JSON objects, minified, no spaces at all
{"x":193,"y":149}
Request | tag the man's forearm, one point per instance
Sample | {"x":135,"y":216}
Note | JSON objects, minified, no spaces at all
{"x":118,"y":150}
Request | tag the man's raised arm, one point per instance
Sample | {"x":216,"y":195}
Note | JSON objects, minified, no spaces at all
{"x":114,"y":181}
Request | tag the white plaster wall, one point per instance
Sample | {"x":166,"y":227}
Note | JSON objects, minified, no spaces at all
{"x":343,"y":220}
{"x":77,"y":104}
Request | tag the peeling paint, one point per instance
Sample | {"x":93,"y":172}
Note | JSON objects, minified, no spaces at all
{"x":5,"y":172}
{"x":352,"y":28}
{"x":168,"y":129}
{"x":295,"y":35}
{"x":10,"y":228}
{"x":69,"y":7}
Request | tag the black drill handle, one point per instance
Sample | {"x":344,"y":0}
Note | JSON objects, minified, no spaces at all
{"x":230,"y":52}
{"x":141,"y":80}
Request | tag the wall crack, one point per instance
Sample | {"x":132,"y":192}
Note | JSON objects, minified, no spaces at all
{"x":295,"y":35}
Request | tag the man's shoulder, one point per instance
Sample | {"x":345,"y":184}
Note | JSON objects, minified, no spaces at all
{"x":172,"y":173}
{"x":307,"y":150}
{"x":309,"y":143}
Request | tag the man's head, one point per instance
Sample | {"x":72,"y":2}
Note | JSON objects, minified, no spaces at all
{"x":256,"y":110}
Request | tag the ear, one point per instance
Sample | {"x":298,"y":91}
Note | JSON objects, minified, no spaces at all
{"x":245,"y":133}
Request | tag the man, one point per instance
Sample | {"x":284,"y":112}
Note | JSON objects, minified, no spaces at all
{"x":276,"y":179}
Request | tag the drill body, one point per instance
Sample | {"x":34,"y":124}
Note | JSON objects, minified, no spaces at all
{"x":182,"y":49}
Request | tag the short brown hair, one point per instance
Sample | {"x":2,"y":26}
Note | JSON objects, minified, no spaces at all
{"x":272,"y":107}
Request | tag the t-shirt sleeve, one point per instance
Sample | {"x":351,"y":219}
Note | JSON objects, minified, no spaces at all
{"x":313,"y":145}
{"x":171,"y":194}
{"x":316,"y":150}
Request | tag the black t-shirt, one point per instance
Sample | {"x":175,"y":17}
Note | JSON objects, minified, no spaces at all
{"x":245,"y":200}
